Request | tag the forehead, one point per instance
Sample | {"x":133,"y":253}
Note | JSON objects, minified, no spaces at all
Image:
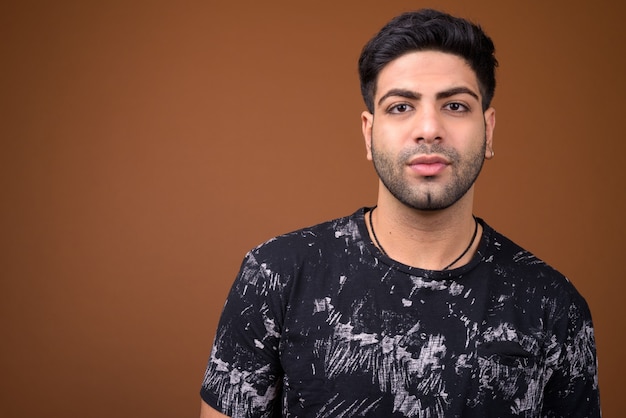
{"x":426,"y":71}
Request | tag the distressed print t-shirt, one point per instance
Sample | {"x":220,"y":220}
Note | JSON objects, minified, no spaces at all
{"x":320,"y":323}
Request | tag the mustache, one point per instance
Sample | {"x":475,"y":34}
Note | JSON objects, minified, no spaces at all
{"x":427,"y":149}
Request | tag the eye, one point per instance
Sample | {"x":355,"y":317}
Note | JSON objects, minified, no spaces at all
{"x":456,"y":107}
{"x":399,"y":108}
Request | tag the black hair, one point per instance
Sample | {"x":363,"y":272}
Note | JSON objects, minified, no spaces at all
{"x":429,"y":30}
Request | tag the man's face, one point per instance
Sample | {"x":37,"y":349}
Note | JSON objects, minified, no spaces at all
{"x":428,"y":136}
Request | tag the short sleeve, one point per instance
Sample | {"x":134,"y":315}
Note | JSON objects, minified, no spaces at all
{"x":572,"y":390}
{"x":244,"y":377}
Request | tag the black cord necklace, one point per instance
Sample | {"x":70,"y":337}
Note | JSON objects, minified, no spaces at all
{"x":446,"y":267}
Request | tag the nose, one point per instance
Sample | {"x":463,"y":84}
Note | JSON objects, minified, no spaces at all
{"x":428,"y":126}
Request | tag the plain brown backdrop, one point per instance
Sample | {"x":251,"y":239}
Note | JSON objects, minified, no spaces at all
{"x":146,"y":146}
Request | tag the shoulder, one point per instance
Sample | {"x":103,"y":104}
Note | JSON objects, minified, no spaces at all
{"x":339,"y":232}
{"x":515,"y":264}
{"x":272,"y":268}
{"x":510,"y":259}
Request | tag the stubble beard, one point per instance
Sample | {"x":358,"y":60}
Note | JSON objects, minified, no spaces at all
{"x":428,"y":197}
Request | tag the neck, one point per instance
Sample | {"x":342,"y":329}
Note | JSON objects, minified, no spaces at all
{"x":426,"y":239}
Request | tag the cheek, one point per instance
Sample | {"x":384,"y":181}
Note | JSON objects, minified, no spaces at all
{"x":385,"y":137}
{"x":471,"y":138}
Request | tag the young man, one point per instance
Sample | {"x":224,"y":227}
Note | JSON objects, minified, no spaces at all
{"x":412,"y":308}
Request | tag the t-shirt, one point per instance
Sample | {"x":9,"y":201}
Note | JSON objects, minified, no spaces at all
{"x":320,"y":323}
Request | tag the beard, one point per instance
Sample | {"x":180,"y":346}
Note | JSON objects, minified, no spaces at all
{"x":430,"y":195}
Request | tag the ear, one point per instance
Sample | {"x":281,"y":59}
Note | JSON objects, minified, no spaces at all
{"x":367,"y":121}
{"x":490,"y":125}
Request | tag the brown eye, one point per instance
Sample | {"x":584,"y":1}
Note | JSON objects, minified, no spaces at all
{"x":399,"y":108}
{"x":456,"y":107}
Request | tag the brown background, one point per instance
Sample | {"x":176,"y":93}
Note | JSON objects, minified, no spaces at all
{"x":147,"y":146}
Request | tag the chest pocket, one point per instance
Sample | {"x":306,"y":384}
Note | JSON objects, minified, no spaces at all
{"x":506,"y":353}
{"x":508,"y":373}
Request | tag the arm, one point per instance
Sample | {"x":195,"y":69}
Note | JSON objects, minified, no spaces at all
{"x":244,"y":375}
{"x":572,"y":390}
{"x":207,"y":412}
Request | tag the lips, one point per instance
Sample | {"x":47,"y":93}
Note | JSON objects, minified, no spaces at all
{"x":428,"y":165}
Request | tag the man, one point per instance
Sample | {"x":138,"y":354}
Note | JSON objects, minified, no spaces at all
{"x":412,"y":308}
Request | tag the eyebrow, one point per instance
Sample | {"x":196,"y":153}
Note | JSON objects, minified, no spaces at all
{"x":409,"y":94}
{"x":457,"y":90}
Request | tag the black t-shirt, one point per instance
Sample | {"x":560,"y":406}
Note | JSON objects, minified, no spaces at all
{"x":319,"y":323}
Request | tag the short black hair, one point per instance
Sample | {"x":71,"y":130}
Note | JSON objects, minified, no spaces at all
{"x":429,"y":30}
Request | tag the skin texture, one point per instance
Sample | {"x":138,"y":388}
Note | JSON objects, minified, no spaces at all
{"x":207,"y":412}
{"x":428,"y":104}
{"x":427,"y":109}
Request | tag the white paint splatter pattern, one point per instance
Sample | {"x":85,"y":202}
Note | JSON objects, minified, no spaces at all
{"x":355,"y":334}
